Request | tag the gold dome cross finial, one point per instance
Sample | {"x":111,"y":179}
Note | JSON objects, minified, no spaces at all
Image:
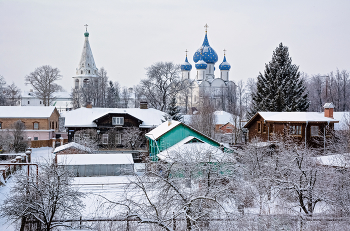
{"x":224,"y":52}
{"x":186,"y":52}
{"x":206,"y":28}
{"x":86,"y":25}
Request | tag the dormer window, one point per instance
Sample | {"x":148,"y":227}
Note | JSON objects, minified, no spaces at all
{"x":117,"y":120}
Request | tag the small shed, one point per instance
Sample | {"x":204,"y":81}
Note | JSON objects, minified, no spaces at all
{"x":85,"y":165}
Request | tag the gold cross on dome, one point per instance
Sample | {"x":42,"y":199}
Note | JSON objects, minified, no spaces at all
{"x":224,"y":52}
{"x":86,"y":25}
{"x":186,"y":52}
{"x":206,"y":28}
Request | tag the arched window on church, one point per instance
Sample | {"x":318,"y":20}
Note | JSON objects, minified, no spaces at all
{"x":89,"y":71}
{"x":76,"y":83}
{"x":85,"y":82}
{"x":81,"y":72}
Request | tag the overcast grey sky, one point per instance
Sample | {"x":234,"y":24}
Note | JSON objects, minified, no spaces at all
{"x":127,"y":36}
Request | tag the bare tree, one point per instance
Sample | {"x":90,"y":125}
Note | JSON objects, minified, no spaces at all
{"x":88,"y":138}
{"x":48,"y":197}
{"x":43,"y":80}
{"x":132,"y":138}
{"x":2,"y":91}
{"x":162,"y":84}
{"x":191,"y":186}
{"x":13,"y":94}
{"x":125,"y":97}
{"x":204,"y":119}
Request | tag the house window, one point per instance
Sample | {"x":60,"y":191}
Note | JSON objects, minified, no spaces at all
{"x":264,"y":128}
{"x":295,"y":130}
{"x":314,"y":131}
{"x":36,"y":138}
{"x":36,"y":126}
{"x":104,"y":138}
{"x":118,"y":138}
{"x":76,"y":83}
{"x":53,"y":125}
{"x":117,"y":120}
{"x":0,"y":125}
{"x":41,"y":102}
{"x":76,"y":138}
{"x":56,"y":124}
{"x":89,"y":71}
{"x":259,"y":127}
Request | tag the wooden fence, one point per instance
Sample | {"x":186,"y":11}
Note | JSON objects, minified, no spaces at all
{"x":45,"y":143}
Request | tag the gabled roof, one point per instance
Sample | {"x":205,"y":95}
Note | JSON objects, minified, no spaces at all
{"x":84,"y":117}
{"x":72,"y":145}
{"x":297,"y":117}
{"x":162,"y":129}
{"x":197,"y":151}
{"x":26,"y":111}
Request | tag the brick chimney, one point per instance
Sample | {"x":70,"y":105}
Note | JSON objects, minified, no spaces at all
{"x":328,"y":110}
{"x":143,"y":105}
{"x":88,"y":105}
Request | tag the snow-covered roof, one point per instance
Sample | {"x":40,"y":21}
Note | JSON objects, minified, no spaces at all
{"x":72,"y":145}
{"x":92,"y":159}
{"x":343,"y":117}
{"x":338,"y":160}
{"x":196,"y":152}
{"x":26,"y":112}
{"x":84,"y":117}
{"x":162,"y":129}
{"x":222,"y":117}
{"x":294,"y":117}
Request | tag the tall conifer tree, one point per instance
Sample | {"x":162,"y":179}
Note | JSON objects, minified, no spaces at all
{"x":280,"y":88}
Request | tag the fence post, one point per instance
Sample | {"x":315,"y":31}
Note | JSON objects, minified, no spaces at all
{"x":174,"y":221}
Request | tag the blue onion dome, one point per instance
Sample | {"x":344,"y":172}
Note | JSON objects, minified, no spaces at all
{"x":201,"y":65}
{"x":224,"y":66}
{"x":208,"y":53}
{"x":186,"y":66}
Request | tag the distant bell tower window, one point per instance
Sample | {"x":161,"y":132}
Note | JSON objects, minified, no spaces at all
{"x":28,"y":102}
{"x":81,"y":72}
{"x":89,"y":71}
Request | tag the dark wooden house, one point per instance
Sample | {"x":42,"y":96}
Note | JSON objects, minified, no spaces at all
{"x":308,"y":127}
{"x":112,"y":126}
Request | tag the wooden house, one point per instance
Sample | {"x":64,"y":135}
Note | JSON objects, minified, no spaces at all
{"x":110,"y":123}
{"x":303,"y":126}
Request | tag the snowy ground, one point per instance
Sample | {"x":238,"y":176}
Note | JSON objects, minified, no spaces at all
{"x":39,"y":155}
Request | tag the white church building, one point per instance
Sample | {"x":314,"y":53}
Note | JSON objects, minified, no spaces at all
{"x":205,"y":83}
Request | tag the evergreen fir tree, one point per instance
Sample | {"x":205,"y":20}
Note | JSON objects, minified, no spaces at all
{"x":173,"y":111}
{"x":280,"y":88}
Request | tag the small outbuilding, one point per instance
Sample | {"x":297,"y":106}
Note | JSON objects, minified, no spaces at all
{"x":86,"y":165}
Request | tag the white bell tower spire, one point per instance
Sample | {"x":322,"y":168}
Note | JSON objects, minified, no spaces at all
{"x":86,"y":69}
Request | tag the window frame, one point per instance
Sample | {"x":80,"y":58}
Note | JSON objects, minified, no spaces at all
{"x":34,"y":125}
{"x":259,"y":127}
{"x":118,"y":138}
{"x":311,"y":130}
{"x":115,"y":121}
{"x":295,"y":130}
{"x":103,"y":138}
